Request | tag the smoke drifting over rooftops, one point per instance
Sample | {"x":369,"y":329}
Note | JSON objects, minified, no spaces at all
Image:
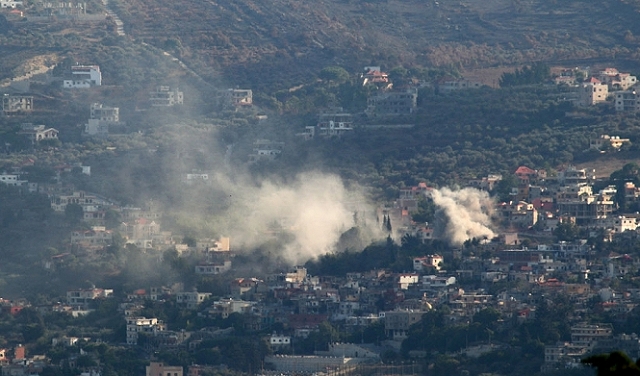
{"x":463,"y":214}
{"x":313,"y":210}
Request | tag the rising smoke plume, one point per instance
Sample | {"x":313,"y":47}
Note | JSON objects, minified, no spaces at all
{"x":314,"y":210}
{"x":304,"y":215}
{"x":463,"y":214}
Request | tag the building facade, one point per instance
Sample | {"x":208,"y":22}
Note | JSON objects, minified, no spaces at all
{"x":82,"y":77}
{"x":164,"y":96}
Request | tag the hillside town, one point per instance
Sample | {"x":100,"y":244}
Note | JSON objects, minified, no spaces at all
{"x":548,"y":241}
{"x":535,"y":262}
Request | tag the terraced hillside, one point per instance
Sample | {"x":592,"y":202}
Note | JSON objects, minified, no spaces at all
{"x":270,"y":42}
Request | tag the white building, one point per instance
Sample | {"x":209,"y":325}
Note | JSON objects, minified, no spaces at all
{"x":589,"y":334}
{"x":279,"y":340}
{"x":97,"y":237}
{"x":430,"y":261}
{"x":311,"y":364}
{"x":211,"y":268}
{"x":620,"y":223}
{"x":435,"y":282}
{"x":191,"y":299}
{"x":82,"y":297}
{"x":137,"y":325}
{"x":407,"y":279}
{"x":10,"y":3}
{"x":605,"y":141}
{"x":12,"y":180}
{"x":83,"y":76}
{"x":37,"y":133}
{"x":453,"y":85}
{"x":224,"y":307}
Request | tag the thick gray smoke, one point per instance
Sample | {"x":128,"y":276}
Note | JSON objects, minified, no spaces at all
{"x":299,"y":218}
{"x":465,"y":214}
{"x":312,"y":209}
{"x":309,"y":213}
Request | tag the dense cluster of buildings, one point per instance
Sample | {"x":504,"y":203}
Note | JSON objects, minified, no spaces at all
{"x":603,"y":86}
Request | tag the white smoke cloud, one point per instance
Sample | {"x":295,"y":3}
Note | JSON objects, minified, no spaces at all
{"x":466,"y":212}
{"x":313,"y":210}
{"x":306,"y":214}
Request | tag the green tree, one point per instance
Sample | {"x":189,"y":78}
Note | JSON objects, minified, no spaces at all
{"x":566,"y":231}
{"x":334,"y":74}
{"x":615,"y":363}
{"x":73,"y":213}
{"x":399,"y":76}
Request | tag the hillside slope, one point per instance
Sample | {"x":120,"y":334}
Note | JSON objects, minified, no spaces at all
{"x":279,"y":41}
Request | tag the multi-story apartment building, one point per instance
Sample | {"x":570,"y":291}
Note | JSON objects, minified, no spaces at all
{"x":136,"y":325}
{"x":164,"y":96}
{"x":592,"y":92}
{"x":393,"y":103}
{"x":627,"y":101}
{"x":589,"y":334}
{"x":100,"y":117}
